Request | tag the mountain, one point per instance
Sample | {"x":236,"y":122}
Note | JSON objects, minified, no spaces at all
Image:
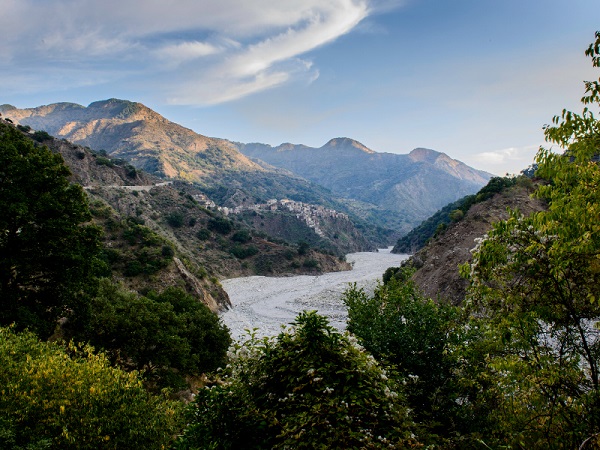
{"x":413,"y":186}
{"x":380,"y":192}
{"x":159,"y":234}
{"x":137,"y":134}
{"x":129,"y":131}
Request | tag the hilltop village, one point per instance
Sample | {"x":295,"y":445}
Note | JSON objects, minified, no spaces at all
{"x":308,"y":213}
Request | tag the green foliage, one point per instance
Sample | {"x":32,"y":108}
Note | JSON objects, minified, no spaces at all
{"x":242,"y":252}
{"x":71,"y":398}
{"x":148,"y":254}
{"x":41,"y":136}
{"x":456,"y":215}
{"x":159,"y":332}
{"x":303,"y":248}
{"x":203,"y":234}
{"x":242,"y":236}
{"x":220,"y":225}
{"x":311,"y":387}
{"x":536,"y":280}
{"x":48,"y":254}
{"x":175,"y":219}
{"x":103,"y":161}
{"x":419,"y":338}
{"x":310,"y":263}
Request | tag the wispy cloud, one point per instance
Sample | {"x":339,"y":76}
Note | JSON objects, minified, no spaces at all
{"x":515,"y":158}
{"x":211,"y":51}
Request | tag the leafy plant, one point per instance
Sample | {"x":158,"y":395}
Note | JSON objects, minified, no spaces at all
{"x":535,"y":279}
{"x":158,"y":332}
{"x":311,"y":387}
{"x":49,"y":252}
{"x":71,"y":398}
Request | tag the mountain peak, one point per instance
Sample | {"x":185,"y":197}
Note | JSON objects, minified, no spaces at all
{"x":116,"y":108}
{"x":347,"y":143}
{"x":424,"y":155}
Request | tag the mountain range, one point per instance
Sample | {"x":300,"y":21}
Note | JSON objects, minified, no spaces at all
{"x":386,"y":194}
{"x":415,"y":185}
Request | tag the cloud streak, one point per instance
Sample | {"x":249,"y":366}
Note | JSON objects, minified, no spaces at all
{"x":212,"y":52}
{"x":515,"y":158}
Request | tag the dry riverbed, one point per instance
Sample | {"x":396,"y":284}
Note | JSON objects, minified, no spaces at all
{"x":267,"y":303}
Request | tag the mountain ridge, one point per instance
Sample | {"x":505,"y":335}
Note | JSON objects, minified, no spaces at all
{"x":415,"y":184}
{"x":392,"y":191}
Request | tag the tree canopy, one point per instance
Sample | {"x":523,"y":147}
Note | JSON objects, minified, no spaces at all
{"x":48,"y":249}
{"x":536,"y":280}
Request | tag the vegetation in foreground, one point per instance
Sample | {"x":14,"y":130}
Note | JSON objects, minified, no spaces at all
{"x":517,"y":367}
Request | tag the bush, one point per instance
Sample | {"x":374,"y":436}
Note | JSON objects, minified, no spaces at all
{"x":220,"y":225}
{"x":41,"y":136}
{"x":311,"y":387}
{"x":203,"y":234}
{"x":242,"y":252}
{"x":103,"y":161}
{"x":303,"y":248}
{"x":456,"y":215}
{"x":71,"y":398}
{"x":175,"y":219}
{"x":241,"y":236}
{"x":418,"y":337}
{"x":170,"y":330}
{"x":310,"y":264}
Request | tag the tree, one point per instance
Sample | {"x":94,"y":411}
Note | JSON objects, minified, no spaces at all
{"x":537,"y":280}
{"x":311,"y":387}
{"x":47,"y":251}
{"x":71,"y":398}
{"x":424,"y":342}
{"x":158,"y":332}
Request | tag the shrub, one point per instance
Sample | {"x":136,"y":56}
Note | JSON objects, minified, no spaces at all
{"x":41,"y":136}
{"x":175,"y":219}
{"x":203,"y":234}
{"x":241,"y":236}
{"x":311,"y":387}
{"x":71,"y":398}
{"x":242,"y":252}
{"x":310,"y":263}
{"x":220,"y":225}
{"x":103,"y":161}
{"x":170,"y":330}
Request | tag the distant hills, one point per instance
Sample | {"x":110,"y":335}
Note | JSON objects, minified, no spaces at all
{"x":413,"y":185}
{"x":385,"y":194}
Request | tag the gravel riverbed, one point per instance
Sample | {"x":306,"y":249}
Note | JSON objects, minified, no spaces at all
{"x":267,"y":303}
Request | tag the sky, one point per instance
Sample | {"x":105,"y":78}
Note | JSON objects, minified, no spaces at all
{"x":475,"y":79}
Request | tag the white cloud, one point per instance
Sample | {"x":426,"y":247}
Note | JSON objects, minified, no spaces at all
{"x":175,"y":54}
{"x":211,"y":51}
{"x":513,"y":159}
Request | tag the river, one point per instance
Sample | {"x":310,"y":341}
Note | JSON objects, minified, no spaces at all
{"x":267,"y":303}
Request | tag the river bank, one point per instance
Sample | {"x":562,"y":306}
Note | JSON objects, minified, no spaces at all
{"x":267,"y":303}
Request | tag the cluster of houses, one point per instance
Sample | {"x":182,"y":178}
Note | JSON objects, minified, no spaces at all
{"x":308,"y":213}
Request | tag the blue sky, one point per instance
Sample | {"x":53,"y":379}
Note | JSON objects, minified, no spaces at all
{"x":474,"y":79}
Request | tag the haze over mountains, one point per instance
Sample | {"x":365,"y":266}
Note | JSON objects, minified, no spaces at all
{"x":389,"y":190}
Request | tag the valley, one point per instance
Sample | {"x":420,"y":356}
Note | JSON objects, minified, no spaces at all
{"x":266,"y":303}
